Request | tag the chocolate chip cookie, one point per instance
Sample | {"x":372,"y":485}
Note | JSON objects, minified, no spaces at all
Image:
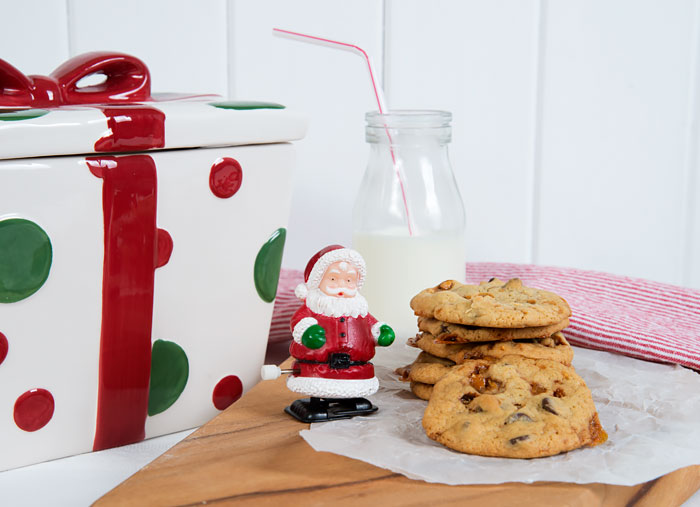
{"x":426,"y":369}
{"x":422,"y":391}
{"x":516,"y":408}
{"x":553,"y":347}
{"x":491,"y":304}
{"x":447,"y":332}
{"x":429,"y":369}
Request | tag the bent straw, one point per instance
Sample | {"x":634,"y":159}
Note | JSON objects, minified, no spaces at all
{"x":378,"y":92}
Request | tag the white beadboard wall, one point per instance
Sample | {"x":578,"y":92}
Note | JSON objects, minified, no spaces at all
{"x":576,"y":124}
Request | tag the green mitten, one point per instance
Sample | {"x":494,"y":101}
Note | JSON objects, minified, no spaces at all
{"x":386,"y":336}
{"x":314,"y":337}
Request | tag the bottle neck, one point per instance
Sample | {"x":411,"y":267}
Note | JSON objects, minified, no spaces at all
{"x":436,"y":137}
{"x":409,"y":128}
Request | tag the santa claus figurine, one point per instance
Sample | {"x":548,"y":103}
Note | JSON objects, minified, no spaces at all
{"x":334,"y":339}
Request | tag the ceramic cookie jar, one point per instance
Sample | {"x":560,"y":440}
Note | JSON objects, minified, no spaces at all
{"x":140,"y":247}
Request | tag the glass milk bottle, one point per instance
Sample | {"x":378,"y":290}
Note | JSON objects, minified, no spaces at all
{"x":408,"y":219}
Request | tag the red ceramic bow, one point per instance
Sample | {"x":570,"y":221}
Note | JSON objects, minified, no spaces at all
{"x":127,"y":80}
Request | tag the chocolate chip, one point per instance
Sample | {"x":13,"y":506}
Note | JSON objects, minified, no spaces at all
{"x":492,"y":279}
{"x":559,"y":392}
{"x":518,"y":416}
{"x":467,"y":398}
{"x":548,"y":406}
{"x":521,"y":438}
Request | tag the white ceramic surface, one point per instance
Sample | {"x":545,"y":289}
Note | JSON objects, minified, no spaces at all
{"x":54,"y":334}
{"x":189,"y":122}
{"x":205,"y":298}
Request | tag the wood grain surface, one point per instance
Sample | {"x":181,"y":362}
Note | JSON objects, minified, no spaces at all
{"x":252,"y":454}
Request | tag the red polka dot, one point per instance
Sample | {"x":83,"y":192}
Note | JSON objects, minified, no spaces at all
{"x":225,"y":177}
{"x":227,"y":391}
{"x":165,"y":247}
{"x":34,"y":409}
{"x":3,"y":347}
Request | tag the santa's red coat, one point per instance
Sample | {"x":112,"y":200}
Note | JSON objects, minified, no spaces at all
{"x":349,"y":335}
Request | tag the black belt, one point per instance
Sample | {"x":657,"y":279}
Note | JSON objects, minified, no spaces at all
{"x":337,"y":361}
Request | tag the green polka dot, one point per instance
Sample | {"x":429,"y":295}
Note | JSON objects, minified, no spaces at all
{"x":21,"y":114}
{"x":25,"y":259}
{"x":169,"y":372}
{"x":243,"y":105}
{"x":267,"y":266}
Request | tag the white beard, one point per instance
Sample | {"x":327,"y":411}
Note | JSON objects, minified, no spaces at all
{"x":332,"y":306}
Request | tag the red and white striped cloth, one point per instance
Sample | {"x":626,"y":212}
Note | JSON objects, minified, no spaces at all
{"x":286,"y":303}
{"x":639,"y":318}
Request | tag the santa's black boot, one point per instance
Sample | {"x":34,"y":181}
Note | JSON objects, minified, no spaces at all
{"x":310,"y":410}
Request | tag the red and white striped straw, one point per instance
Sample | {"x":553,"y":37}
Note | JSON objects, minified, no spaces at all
{"x":378,"y":92}
{"x":320,"y":41}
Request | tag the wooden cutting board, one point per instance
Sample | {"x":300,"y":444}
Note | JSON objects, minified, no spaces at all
{"x":252,"y":454}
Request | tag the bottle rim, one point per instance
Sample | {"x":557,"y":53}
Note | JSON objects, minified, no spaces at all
{"x":409,"y":118}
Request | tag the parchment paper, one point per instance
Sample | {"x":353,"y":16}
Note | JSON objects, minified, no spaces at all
{"x":650,"y":411}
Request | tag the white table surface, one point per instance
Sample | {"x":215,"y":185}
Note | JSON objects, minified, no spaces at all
{"x":82,"y":479}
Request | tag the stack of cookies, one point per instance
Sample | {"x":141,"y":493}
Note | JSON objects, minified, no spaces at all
{"x":497,"y":371}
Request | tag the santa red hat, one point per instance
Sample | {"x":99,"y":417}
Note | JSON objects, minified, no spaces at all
{"x":318,"y":264}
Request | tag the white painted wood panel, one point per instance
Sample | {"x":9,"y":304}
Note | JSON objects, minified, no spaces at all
{"x":606,"y":177}
{"x":617,"y":79}
{"x":331,"y":86}
{"x":692,"y":261}
{"x":691,"y":264}
{"x":182,"y":42}
{"x":477,"y":60}
{"x":693,"y":271}
{"x":34,"y":37}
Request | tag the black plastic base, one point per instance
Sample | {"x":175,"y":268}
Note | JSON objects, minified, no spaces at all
{"x":310,"y":410}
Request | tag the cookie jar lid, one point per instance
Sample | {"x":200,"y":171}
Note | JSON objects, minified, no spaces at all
{"x":54,"y":115}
